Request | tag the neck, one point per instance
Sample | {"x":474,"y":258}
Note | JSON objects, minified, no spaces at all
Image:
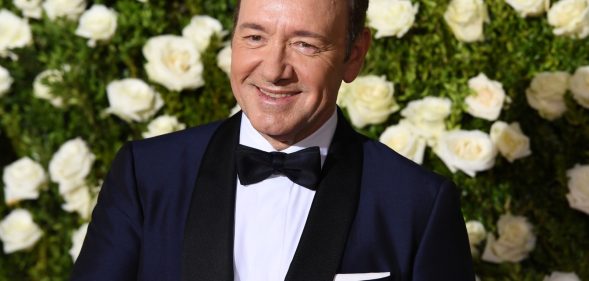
{"x":284,"y":141}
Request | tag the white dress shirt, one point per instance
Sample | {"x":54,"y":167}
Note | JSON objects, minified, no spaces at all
{"x":270,"y":215}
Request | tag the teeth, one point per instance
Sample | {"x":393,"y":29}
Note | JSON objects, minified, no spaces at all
{"x":276,"y":96}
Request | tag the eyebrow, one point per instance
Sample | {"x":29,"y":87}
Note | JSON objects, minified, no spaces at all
{"x":305,"y":33}
{"x":300,"y":33}
{"x":250,"y":25}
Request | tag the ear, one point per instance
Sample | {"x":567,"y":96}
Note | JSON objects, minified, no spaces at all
{"x":357,"y":55}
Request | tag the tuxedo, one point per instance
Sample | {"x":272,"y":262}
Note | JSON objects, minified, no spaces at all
{"x":166,"y":212}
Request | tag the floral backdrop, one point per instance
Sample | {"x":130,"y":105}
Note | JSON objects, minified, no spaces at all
{"x":492,"y":94}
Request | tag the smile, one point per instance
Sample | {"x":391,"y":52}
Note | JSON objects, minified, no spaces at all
{"x":277,"y":94}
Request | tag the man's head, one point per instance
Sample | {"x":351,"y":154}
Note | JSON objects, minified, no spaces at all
{"x":288,"y":60}
{"x":355,"y":25}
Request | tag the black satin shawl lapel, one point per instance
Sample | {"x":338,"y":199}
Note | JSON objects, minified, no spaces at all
{"x":207,"y":252}
{"x":324,"y":237}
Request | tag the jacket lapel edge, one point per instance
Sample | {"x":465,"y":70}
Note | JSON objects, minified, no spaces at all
{"x":333,"y":210}
{"x":207,"y":252}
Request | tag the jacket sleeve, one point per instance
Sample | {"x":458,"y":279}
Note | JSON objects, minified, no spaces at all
{"x":113,"y":241}
{"x":443,"y":252}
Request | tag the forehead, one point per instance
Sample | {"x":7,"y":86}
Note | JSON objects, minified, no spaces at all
{"x":313,"y":14}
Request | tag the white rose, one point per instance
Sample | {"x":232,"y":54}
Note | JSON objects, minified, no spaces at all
{"x":29,"y":8}
{"x":487,"y":101}
{"x":132,"y":99}
{"x":18,"y":231}
{"x":579,"y":85}
{"x":529,"y":7}
{"x":234,"y":110}
{"x":391,"y":17}
{"x":224,"y":59}
{"x":43,"y":91}
{"x":476,"y":234}
{"x":70,"y":165}
{"x":163,"y":125}
{"x":97,"y":23}
{"x":468,"y":151}
{"x":578,"y":195}
{"x":77,"y":241}
{"x":79,"y":200}
{"x":402,"y":139}
{"x":96,"y":188}
{"x":174,"y":62}
{"x":5,"y":81}
{"x":546,"y":94}
{"x":562,"y":276}
{"x":22,"y":180}
{"x":369,"y":100}
{"x":516,"y":240}
{"x":570,"y":18}
{"x":466,"y":18}
{"x":428,"y":116}
{"x":15,"y":33}
{"x":70,"y":9}
{"x":510,"y":140}
{"x":201,"y":29}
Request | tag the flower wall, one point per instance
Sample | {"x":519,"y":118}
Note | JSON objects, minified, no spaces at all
{"x":492,"y":94}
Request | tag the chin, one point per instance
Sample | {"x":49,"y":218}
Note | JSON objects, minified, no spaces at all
{"x":270,"y":129}
{"x":274,"y":130}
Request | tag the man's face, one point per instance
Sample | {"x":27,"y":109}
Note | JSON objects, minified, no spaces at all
{"x":288,"y":60}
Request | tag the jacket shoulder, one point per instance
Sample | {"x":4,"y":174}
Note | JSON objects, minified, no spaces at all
{"x":194,"y":138}
{"x":386,"y":164}
{"x":390,"y":179}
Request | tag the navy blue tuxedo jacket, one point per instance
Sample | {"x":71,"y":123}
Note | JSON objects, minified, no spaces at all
{"x":166,"y":212}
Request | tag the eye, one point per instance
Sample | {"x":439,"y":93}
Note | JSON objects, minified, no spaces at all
{"x":254,"y":38}
{"x":306,"y":48}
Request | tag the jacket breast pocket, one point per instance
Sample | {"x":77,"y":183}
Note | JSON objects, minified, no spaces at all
{"x":388,"y":278}
{"x":365,"y":277}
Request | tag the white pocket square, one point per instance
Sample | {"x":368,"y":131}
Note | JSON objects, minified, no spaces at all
{"x":361,"y":276}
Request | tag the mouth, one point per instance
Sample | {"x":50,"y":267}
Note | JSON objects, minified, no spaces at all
{"x":277,"y":94}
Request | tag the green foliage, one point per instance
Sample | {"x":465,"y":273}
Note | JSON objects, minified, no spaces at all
{"x":427,"y":61}
{"x":430,"y":61}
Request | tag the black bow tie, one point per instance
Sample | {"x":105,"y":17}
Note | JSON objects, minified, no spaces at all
{"x":302,"y":167}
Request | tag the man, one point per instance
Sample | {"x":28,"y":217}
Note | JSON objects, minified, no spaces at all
{"x":207,"y":204}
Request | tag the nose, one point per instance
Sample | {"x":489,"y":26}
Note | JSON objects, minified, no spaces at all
{"x":276,"y":68}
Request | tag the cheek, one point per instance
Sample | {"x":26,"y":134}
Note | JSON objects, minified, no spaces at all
{"x":243,"y":61}
{"x":325,"y":84}
{"x":320,"y":75}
